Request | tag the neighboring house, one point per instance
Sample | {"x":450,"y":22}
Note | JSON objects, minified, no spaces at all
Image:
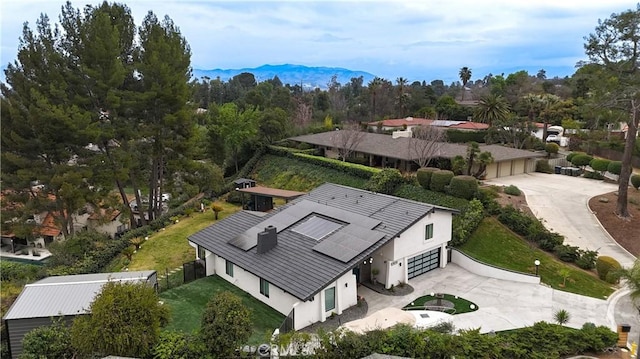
{"x":409,"y":123}
{"x":48,"y":230}
{"x":59,"y":297}
{"x":110,"y":221}
{"x":461,"y":125}
{"x":385,"y":151}
{"x":307,"y":258}
{"x":398,"y":124}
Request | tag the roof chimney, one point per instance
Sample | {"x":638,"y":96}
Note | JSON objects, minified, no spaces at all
{"x":267,"y":240}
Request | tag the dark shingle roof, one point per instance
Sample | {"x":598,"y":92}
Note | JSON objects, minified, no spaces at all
{"x":385,"y":145}
{"x":293,"y":265}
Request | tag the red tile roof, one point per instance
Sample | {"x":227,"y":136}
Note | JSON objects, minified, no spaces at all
{"x":49,"y":226}
{"x":400,"y":122}
{"x":470,"y":126}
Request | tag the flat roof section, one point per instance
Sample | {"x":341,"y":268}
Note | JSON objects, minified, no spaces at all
{"x":272,"y":192}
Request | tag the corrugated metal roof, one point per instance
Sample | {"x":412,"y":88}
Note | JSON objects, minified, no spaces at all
{"x":65,"y":295}
{"x":293,"y":265}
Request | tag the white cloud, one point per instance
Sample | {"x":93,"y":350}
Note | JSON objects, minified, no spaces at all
{"x":414,"y":39}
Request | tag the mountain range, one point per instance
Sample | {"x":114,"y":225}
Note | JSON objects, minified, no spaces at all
{"x":308,"y":76}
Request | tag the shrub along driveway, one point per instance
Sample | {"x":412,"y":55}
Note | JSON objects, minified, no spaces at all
{"x":562,"y":204}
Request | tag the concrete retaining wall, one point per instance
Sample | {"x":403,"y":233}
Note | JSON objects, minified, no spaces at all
{"x":490,"y":271}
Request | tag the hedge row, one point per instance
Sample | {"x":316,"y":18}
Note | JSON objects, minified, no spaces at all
{"x":417,"y":193}
{"x":385,"y":181}
{"x":463,"y":187}
{"x":349,"y":168}
{"x":246,"y":169}
{"x":599,"y":164}
{"x":96,"y":261}
{"x":533,"y":230}
{"x":440,"y":180}
{"x":467,"y":222}
{"x":457,"y":136}
{"x":542,"y":340}
{"x":424,"y":176}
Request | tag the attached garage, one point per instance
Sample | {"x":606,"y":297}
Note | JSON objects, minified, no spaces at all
{"x":423,"y":263}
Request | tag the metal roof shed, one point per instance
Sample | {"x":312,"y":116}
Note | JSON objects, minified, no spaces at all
{"x":59,"y":297}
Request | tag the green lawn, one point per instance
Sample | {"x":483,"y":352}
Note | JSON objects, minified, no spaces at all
{"x":460,"y":304}
{"x":169,"y":249}
{"x":494,"y":244}
{"x":187,"y":303}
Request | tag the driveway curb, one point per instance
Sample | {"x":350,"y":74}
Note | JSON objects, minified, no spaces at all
{"x":612,"y":301}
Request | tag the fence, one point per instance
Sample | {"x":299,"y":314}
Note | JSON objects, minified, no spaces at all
{"x":560,"y":161}
{"x":194,"y":270}
{"x":170,"y":279}
{"x":288,"y":323}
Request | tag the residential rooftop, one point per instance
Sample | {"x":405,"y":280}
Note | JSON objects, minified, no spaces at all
{"x":320,"y":236}
{"x":66,"y":295}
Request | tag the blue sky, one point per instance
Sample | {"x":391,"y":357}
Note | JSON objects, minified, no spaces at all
{"x":419,"y":40}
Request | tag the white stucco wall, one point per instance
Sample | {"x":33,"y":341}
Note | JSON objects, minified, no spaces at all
{"x":392,"y":258}
{"x":307,"y":312}
{"x":486,"y":270}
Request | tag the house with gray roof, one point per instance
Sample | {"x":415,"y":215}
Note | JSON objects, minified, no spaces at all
{"x":382,"y":150}
{"x":307,"y":258}
{"x":64,"y":297}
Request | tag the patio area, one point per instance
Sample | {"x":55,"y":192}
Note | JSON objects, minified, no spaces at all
{"x":24,"y":253}
{"x":502,"y":304}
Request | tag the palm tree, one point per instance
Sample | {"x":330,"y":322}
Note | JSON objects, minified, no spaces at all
{"x":548,"y":101}
{"x":374,"y":87}
{"x":465,"y":76}
{"x":402,"y":95}
{"x":492,"y":108}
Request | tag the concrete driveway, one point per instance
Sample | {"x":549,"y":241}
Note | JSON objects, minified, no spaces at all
{"x":562,"y":203}
{"x":503,"y":304}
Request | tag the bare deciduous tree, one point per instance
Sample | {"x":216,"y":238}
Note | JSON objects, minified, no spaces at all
{"x":425,"y":143}
{"x":346,"y":141}
{"x":302,"y":114}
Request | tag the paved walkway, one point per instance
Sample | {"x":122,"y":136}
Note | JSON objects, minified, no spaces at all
{"x":503,"y":304}
{"x":562,"y":203}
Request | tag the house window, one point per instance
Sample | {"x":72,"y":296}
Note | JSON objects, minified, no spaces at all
{"x":330,"y":299}
{"x":229,"y":268}
{"x":428,"y":233}
{"x":201,"y":252}
{"x":264,"y":287}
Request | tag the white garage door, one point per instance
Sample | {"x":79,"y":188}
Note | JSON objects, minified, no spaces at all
{"x":423,"y":263}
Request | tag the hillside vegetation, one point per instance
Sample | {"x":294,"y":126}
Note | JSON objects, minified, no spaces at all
{"x":292,"y":174}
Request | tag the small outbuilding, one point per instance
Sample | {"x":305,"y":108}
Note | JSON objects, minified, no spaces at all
{"x":63,"y":297}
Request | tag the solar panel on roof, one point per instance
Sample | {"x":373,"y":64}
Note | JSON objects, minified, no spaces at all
{"x":317,"y":227}
{"x":348,"y":242}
